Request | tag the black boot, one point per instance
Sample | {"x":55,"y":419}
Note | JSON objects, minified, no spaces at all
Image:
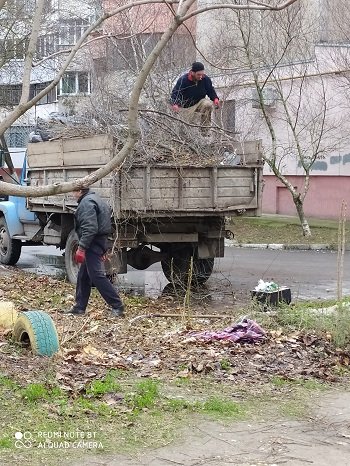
{"x":75,"y":311}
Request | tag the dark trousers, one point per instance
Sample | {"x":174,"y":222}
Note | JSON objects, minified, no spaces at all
{"x":92,"y":272}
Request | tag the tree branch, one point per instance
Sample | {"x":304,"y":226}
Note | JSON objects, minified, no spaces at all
{"x":20,"y":110}
{"x":258,"y":6}
{"x":39,"y":8}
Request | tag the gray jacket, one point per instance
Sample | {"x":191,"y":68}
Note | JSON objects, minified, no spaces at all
{"x":92,"y":219}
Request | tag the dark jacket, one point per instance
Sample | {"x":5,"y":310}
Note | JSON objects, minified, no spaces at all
{"x":92,"y":221}
{"x":187,"y":92}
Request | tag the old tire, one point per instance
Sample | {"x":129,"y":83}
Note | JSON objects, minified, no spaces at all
{"x":10,"y":249}
{"x":37,"y":329}
{"x":72,"y":267}
{"x":177,"y":266}
{"x":8,"y":315}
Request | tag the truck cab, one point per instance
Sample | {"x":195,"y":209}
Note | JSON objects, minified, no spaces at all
{"x":18,"y":225}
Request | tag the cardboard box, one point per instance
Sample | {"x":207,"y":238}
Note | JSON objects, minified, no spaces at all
{"x":273,"y":298}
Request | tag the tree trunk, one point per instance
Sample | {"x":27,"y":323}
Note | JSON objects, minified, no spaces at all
{"x":303,"y":222}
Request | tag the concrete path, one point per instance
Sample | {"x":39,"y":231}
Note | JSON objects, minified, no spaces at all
{"x":320,"y":440}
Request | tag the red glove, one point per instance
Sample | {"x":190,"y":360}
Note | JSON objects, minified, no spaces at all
{"x":79,"y":256}
{"x":216,"y":103}
{"x":175,"y":107}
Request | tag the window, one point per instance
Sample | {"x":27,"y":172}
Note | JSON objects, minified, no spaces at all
{"x":18,"y":136}
{"x":50,"y":97}
{"x":14,"y":48}
{"x":47,"y":45}
{"x":75,"y":82}
{"x":10,"y":95}
{"x":71,"y":30}
{"x":68,"y":84}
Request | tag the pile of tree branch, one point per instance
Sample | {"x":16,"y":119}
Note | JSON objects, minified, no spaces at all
{"x":163,"y":139}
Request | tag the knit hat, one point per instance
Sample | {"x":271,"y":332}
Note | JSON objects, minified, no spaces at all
{"x":197,"y":66}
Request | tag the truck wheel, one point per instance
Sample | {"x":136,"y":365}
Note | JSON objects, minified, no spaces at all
{"x":203,"y":268}
{"x":177,"y":266}
{"x":72,"y":267}
{"x":10,"y":249}
{"x":37,"y":329}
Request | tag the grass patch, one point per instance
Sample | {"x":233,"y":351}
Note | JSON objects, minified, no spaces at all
{"x":137,"y":301}
{"x":309,"y":384}
{"x":285,"y":230}
{"x":5,"y":442}
{"x":223,"y":408}
{"x":34,"y":392}
{"x":225,"y":364}
{"x":328,"y":319}
{"x":177,"y":405}
{"x":147,"y":392}
{"x":334,"y":322}
{"x":6,"y":382}
{"x":101,"y":387}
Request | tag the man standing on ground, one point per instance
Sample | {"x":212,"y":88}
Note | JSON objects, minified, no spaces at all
{"x":93,"y":225}
{"x":190,"y":93}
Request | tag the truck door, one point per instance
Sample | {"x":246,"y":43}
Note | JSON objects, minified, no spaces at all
{"x":24,"y":214}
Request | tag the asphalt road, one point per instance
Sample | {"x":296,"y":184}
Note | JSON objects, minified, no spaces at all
{"x":309,"y":274}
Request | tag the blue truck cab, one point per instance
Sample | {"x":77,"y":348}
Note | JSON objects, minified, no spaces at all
{"x":18,"y":225}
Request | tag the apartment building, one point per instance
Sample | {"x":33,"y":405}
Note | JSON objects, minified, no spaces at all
{"x":301,"y":54}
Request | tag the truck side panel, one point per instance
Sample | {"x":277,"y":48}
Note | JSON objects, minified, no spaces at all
{"x":41,"y":176}
{"x":188,"y":188}
{"x":94,"y":150}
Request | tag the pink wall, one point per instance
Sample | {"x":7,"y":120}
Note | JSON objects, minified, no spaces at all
{"x":150,"y":18}
{"x":323,"y":200}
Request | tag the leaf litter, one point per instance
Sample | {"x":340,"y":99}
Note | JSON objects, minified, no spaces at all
{"x":160,"y":348}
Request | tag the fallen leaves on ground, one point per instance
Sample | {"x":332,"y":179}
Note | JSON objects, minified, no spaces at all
{"x":161,"y":347}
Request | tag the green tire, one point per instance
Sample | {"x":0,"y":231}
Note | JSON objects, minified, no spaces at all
{"x":37,"y":329}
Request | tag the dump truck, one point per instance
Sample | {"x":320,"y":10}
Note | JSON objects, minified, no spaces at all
{"x":173,"y":214}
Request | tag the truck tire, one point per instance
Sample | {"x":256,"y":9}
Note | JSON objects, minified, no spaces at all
{"x":176,"y":267}
{"x":37,"y":329}
{"x":72,"y":267}
{"x":10,"y":249}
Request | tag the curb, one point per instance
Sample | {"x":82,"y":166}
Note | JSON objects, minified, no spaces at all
{"x":287,"y":247}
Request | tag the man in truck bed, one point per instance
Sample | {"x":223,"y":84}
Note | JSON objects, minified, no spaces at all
{"x":190,"y":93}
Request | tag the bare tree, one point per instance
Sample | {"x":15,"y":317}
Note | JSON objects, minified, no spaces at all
{"x":284,"y":95}
{"x":184,"y":12}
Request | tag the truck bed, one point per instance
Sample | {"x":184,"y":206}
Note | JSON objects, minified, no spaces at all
{"x":146,"y":190}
